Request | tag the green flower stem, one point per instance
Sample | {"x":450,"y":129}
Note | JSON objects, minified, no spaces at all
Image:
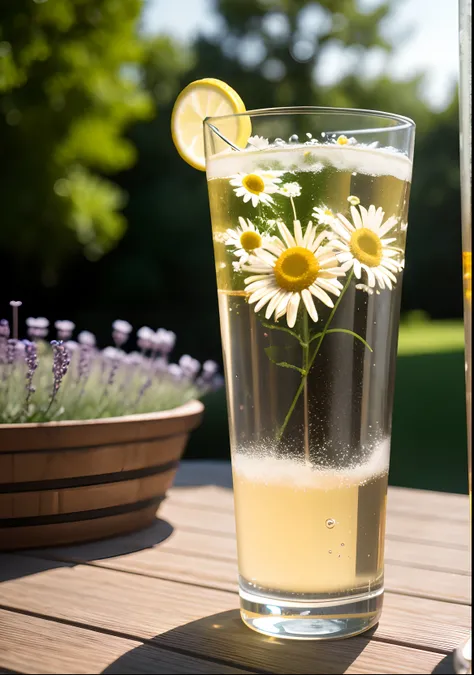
{"x":310,"y":360}
{"x":293,"y":207}
{"x":306,"y":370}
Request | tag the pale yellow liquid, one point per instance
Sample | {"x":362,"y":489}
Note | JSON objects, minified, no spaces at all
{"x":331,"y":463}
{"x":304,"y":531}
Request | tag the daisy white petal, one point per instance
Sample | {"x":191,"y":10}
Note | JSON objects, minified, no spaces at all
{"x":282,"y":306}
{"x":318,"y":292}
{"x":298,"y":233}
{"x":286,"y":235}
{"x":292,"y":311}
{"x":309,"y":304}
{"x":332,"y":286}
{"x":356,"y":216}
{"x":266,"y":298}
{"x":273,"y":303}
{"x":387,"y":226}
{"x":258,"y":142}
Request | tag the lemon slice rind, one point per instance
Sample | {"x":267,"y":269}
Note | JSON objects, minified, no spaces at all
{"x":201,"y":99}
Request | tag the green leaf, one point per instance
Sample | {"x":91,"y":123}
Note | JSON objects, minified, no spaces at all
{"x":272,"y":353}
{"x":315,"y":337}
{"x":273,"y":326}
{"x":350,"y":332}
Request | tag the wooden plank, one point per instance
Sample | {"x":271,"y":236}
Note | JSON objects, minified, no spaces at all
{"x":39,"y":646}
{"x":31,"y":644}
{"x":399,"y":527}
{"x":183,"y":565}
{"x":428,"y":504}
{"x":142,"y":607}
{"x":417,"y":569}
{"x":223,"y":636}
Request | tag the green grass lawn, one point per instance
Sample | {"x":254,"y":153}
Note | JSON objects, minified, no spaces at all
{"x":422,"y":337}
{"x":429,"y":419}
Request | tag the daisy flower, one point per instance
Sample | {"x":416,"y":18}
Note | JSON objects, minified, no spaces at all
{"x":293,"y":269}
{"x":258,"y":142}
{"x":363,"y":247}
{"x":246,"y":239}
{"x":353,"y":200}
{"x":366,"y":289}
{"x":323,"y":215}
{"x":343,"y":140}
{"x":256,"y":187}
{"x":290,"y":190}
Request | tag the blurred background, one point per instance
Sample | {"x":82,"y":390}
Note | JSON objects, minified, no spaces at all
{"x":101,"y":219}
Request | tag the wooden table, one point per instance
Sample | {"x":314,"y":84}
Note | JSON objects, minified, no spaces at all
{"x":164,"y":600}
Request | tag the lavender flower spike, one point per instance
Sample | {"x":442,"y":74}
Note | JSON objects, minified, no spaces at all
{"x":4,"y":329}
{"x":86,"y":338}
{"x":64,"y":328}
{"x":37,"y":327}
{"x":175,"y":371}
{"x":209,"y":368}
{"x":189,"y":366}
{"x":120,"y":332}
{"x":31,"y":358}
{"x":4,"y":335}
{"x":61,"y":361}
{"x":145,"y":337}
{"x":164,"y":341}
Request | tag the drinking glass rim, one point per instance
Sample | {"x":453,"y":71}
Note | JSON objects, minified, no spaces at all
{"x":404,"y":123}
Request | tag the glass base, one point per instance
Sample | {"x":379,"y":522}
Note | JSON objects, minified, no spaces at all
{"x":332,"y":619}
{"x":463,"y":659}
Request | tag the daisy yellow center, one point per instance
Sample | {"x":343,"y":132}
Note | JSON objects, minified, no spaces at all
{"x":296,"y":269}
{"x":342,"y":140}
{"x":253,"y":183}
{"x":328,"y":213}
{"x":366,"y":246}
{"x":250,"y":240}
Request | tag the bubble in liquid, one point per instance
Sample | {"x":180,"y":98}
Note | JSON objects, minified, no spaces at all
{"x":330,"y":523}
{"x":342,"y":544}
{"x":294,"y":138}
{"x":329,"y":551}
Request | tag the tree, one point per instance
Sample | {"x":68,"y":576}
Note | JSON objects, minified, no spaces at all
{"x":69,"y":87}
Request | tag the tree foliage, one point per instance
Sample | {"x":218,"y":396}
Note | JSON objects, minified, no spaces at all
{"x":69,"y":87}
{"x":75,"y":74}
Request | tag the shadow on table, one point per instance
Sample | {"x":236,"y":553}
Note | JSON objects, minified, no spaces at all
{"x":445,"y":666}
{"x":16,"y":564}
{"x":204,"y":472}
{"x":224,"y":638}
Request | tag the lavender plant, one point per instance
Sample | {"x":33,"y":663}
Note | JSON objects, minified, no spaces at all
{"x":67,"y":379}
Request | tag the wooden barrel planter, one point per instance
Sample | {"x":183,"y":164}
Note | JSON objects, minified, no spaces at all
{"x":76,"y":481}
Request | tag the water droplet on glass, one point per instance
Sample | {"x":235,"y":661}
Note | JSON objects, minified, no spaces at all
{"x":330,"y":523}
{"x":294,"y":138}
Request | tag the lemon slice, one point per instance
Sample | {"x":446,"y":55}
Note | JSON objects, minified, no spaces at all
{"x":201,"y":99}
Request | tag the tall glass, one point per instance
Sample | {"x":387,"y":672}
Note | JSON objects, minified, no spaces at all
{"x":309,"y":224}
{"x":463,"y":664}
